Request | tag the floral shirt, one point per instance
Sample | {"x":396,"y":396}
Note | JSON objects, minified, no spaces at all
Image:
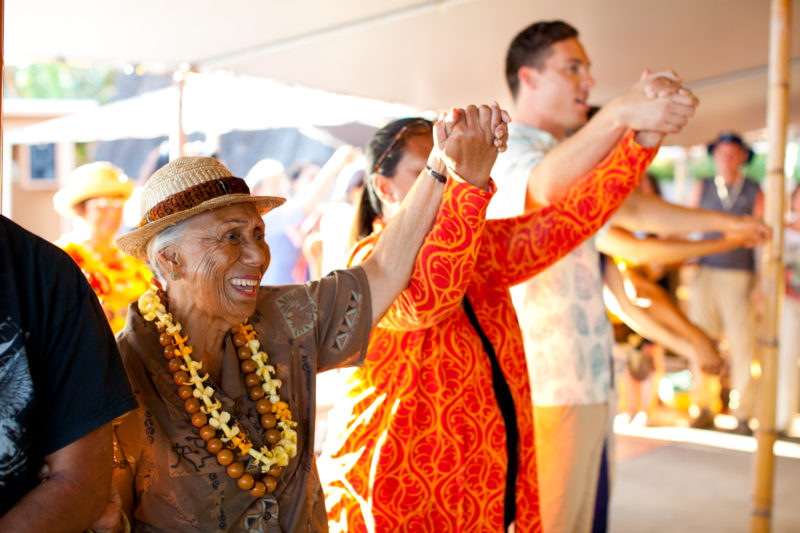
{"x":423,"y":442}
{"x":116,"y":283}
{"x":178,"y":485}
{"x":567,"y":334}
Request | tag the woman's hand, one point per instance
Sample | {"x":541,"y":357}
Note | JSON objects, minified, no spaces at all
{"x":468,"y":140}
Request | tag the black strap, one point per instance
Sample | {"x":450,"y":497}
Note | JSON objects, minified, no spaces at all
{"x":506,"y":403}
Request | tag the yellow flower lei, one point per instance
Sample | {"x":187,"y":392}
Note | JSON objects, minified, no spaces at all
{"x":218,"y":420}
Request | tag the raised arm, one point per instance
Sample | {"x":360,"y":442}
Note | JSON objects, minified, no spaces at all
{"x":621,"y":243}
{"x":446,"y":260}
{"x":659,"y":320}
{"x":652,"y":214}
{"x":524,"y":245}
{"x":327,"y":175}
{"x":466,"y":152}
{"x":644,"y":107}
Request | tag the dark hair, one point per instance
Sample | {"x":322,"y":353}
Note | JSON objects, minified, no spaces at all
{"x":647,"y":176}
{"x":369,"y":207}
{"x":730,"y":137}
{"x":366,"y":213}
{"x":531,"y":47}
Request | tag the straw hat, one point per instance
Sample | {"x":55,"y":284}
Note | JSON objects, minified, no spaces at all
{"x":185,"y":187}
{"x":91,"y":181}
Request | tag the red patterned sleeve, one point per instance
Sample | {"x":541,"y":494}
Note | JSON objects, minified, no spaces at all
{"x":445,"y":262}
{"x":525,"y":245}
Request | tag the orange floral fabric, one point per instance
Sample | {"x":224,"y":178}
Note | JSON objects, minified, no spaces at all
{"x":116,"y":283}
{"x":422,"y":447}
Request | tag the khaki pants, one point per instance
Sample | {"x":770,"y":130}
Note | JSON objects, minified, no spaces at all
{"x":788,"y":355}
{"x":569,"y":445}
{"x":720,"y":304}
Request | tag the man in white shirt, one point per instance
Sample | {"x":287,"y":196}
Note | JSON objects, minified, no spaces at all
{"x":568,"y":337}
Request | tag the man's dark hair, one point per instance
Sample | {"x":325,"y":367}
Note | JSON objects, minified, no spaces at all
{"x":531,"y":47}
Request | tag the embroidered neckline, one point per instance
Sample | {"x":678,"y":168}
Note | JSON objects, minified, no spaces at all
{"x":726,"y":197}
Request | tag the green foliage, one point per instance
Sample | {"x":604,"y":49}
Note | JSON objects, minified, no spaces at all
{"x":59,"y":80}
{"x":756,"y":169}
{"x":662,"y":169}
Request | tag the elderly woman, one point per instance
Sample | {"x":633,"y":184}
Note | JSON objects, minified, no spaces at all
{"x":93,"y":198}
{"x":224,"y":371}
{"x":437,"y":430}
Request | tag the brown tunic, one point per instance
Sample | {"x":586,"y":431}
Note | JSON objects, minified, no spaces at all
{"x":179,"y":486}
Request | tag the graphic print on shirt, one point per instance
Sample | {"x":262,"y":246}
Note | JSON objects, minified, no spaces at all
{"x":16,"y":394}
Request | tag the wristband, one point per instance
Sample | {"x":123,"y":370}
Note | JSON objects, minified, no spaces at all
{"x":438,"y":176}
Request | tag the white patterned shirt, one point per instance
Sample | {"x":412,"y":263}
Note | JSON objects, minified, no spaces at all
{"x":568,"y":337}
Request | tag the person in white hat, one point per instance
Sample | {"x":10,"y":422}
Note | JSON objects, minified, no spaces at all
{"x":94,"y":197}
{"x":224,"y":370}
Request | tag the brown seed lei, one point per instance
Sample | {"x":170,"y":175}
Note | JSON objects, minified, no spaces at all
{"x":222,"y":439}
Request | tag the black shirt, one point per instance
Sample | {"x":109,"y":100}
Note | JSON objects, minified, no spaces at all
{"x":60,"y":372}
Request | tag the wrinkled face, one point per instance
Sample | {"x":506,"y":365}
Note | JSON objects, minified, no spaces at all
{"x":562,"y":87}
{"x":728,"y":157}
{"x":416,"y":149}
{"x":221,"y":259}
{"x":103,"y":214}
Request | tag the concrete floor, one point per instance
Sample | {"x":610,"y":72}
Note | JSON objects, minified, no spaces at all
{"x":684,"y":480}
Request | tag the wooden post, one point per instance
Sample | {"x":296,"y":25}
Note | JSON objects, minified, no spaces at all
{"x":777,"y":113}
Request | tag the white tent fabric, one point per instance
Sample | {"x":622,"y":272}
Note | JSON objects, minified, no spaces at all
{"x":424,"y":53}
{"x":212,"y":104}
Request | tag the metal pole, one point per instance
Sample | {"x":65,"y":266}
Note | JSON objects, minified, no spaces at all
{"x":777,"y":113}
{"x":177,"y":138}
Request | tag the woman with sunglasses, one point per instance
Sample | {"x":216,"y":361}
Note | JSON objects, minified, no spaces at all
{"x":436,"y":432}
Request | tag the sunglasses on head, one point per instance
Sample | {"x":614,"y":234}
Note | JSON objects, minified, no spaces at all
{"x":415,"y":127}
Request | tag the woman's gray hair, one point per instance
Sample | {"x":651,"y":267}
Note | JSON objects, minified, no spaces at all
{"x":166,"y":237}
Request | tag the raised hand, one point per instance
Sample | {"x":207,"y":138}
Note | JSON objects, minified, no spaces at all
{"x":707,"y":355}
{"x":468,"y":140}
{"x":500,"y":121}
{"x":660,"y":84}
{"x":656,"y":105}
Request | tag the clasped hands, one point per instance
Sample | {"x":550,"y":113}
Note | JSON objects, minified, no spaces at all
{"x":656,"y":105}
{"x":749,"y":230}
{"x":467,"y":141}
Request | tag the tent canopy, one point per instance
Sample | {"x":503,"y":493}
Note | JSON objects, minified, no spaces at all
{"x":212,"y":104}
{"x":428,"y":54}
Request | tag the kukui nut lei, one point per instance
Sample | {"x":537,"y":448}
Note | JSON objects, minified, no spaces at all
{"x":223,"y":438}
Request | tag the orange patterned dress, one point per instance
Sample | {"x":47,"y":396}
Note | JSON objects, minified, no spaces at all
{"x":424,"y":443}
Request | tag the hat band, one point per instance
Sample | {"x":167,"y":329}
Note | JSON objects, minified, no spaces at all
{"x":194,"y":196}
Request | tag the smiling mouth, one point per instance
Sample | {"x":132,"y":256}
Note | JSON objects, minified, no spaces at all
{"x":247,"y":286}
